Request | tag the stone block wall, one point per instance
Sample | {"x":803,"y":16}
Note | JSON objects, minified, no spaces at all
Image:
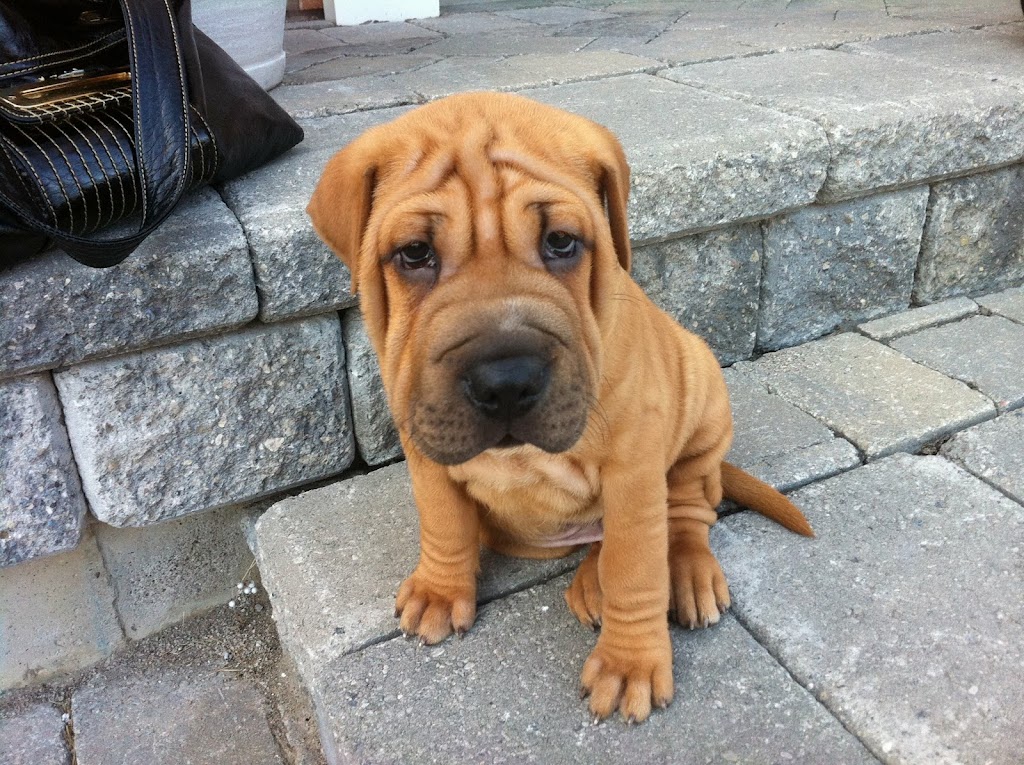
{"x":153,"y":403}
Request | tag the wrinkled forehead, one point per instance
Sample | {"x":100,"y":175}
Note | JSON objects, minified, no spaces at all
{"x":486,"y":163}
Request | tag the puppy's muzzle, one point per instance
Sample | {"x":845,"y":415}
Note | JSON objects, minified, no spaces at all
{"x":506,"y":389}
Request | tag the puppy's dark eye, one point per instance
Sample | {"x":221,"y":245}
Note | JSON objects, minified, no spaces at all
{"x":415,"y":255}
{"x":559,"y":245}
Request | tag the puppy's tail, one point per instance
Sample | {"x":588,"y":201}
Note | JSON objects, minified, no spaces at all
{"x":743,"y":489}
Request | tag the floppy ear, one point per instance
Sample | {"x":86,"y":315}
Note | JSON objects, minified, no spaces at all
{"x":340,"y":205}
{"x":615,"y":190}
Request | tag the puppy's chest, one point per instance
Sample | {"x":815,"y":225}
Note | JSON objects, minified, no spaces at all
{"x":531,"y":493}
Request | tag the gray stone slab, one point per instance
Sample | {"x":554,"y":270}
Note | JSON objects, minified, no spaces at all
{"x":1008,"y":303}
{"x":211,"y":422}
{"x":326,"y":99}
{"x":904,"y":615}
{"x":558,"y":15}
{"x":332,"y":560}
{"x":165,"y":573}
{"x":33,"y":736}
{"x":993,"y":451}
{"x":340,"y":66}
{"x":716,"y":33}
{"x":871,"y":395}
{"x":638,"y":26}
{"x":375,"y":432}
{"x":991,"y":52}
{"x":296,"y":273}
{"x":709,"y":283}
{"x":826,"y":266}
{"x":699,"y":160}
{"x":54,"y":311}
{"x":919,"y":318}
{"x":473,"y":23}
{"x":889,"y":122}
{"x":42,"y":508}
{"x":57,"y":616}
{"x":779,"y":443}
{"x":512,"y":42}
{"x":986,"y":352}
{"x":299,"y":41}
{"x":381,"y":33}
{"x":172,"y":718}
{"x":974,"y":239}
{"x":507,"y":693}
{"x":537,"y":70}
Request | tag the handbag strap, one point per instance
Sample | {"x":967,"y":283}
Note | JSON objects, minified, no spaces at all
{"x":161,"y":129}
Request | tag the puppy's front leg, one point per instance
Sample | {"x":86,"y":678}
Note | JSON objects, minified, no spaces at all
{"x":631,"y":666}
{"x":440,"y":595}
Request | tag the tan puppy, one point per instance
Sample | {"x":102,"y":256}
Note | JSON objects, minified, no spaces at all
{"x":538,"y":393}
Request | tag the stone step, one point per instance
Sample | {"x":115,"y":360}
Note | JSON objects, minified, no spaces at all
{"x":905,"y":554}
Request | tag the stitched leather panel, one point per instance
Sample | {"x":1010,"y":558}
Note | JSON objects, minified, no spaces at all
{"x":79,"y":173}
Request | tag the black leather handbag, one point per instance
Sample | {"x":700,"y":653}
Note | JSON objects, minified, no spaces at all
{"x":109,"y":111}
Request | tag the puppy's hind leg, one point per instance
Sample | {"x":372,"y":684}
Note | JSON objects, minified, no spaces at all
{"x":700,"y":594}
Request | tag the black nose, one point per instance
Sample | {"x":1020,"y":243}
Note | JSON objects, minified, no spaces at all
{"x":505,"y":389}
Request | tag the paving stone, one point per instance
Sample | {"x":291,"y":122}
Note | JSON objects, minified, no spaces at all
{"x":556,"y":15}
{"x":953,"y":15}
{"x":57,"y":616}
{"x":473,"y":23}
{"x":716,"y":33}
{"x":374,"y":430}
{"x":993,"y":451}
{"x":55,"y":312}
{"x":639,"y":26}
{"x":889,"y":123}
{"x":299,"y":41}
{"x":364,"y":533}
{"x":983,"y":351}
{"x":699,"y":160}
{"x":172,"y":719}
{"x":777,"y":442}
{"x":341,"y":66}
{"x":165,"y":573}
{"x":211,"y":422}
{"x":380,"y":33}
{"x":919,"y":318}
{"x":507,"y":693}
{"x":42,"y":508}
{"x":511,"y":42}
{"x":709,"y":283}
{"x":989,"y":52}
{"x":904,"y":613}
{"x":974,"y":239}
{"x":1008,"y":303}
{"x":33,"y":736}
{"x":869,"y":394}
{"x":835,"y":264}
{"x":538,"y":70}
{"x":326,"y":99}
{"x":296,"y":273}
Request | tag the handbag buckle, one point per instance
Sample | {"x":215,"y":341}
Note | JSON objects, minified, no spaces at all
{"x":71,"y":90}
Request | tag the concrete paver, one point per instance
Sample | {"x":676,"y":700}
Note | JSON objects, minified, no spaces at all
{"x":915,"y":319}
{"x":984,"y":351}
{"x":889,"y":122}
{"x":333,"y":559}
{"x":777,"y":442}
{"x":33,"y":736}
{"x":507,"y":693}
{"x":172,"y":719}
{"x":1008,"y":303}
{"x":993,"y":451}
{"x":903,"y":615}
{"x":868,"y":393}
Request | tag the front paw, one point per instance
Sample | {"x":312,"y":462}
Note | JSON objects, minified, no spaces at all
{"x":628,"y":679}
{"x":433,"y":612}
{"x":700,"y":594}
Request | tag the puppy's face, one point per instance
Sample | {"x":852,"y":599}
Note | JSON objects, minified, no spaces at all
{"x":476,"y":232}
